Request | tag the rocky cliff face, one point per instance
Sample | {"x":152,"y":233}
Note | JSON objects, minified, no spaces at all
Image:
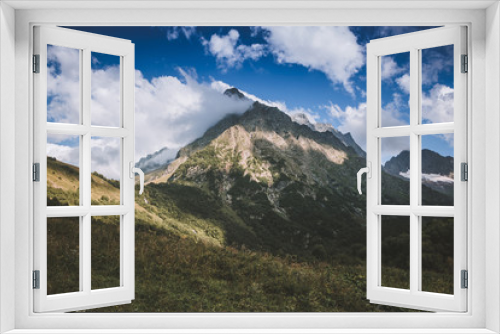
{"x":284,"y":187}
{"x":437,"y":171}
{"x":345,"y":138}
{"x":289,"y":188}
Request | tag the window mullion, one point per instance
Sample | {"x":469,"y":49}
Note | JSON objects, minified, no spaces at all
{"x":85,"y":172}
{"x":414,"y":172}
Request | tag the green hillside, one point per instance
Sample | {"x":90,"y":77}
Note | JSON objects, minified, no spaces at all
{"x":185,"y":263}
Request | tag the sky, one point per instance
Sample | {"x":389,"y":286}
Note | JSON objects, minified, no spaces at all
{"x":181,"y":73}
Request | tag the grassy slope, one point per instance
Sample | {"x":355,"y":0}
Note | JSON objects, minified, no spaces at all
{"x":185,"y":261}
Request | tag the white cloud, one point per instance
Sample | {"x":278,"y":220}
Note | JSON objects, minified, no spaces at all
{"x":351,"y":119}
{"x":430,"y":177}
{"x":64,"y":153}
{"x":168,"y":112}
{"x":255,"y":30}
{"x":437,"y":104}
{"x":404,"y":83}
{"x":393,"y":31}
{"x":105,"y":156}
{"x":393,"y":146}
{"x":173,"y":113}
{"x":173,"y":33}
{"x":390,"y":68}
{"x":63,"y":89}
{"x":104,"y":152}
{"x":434,"y":64}
{"x":437,"y":178}
{"x":228,"y":54}
{"x":105,"y":92}
{"x":311,"y":116}
{"x":331,"y":50}
{"x":392,"y":114}
{"x":221,"y":87}
{"x":63,"y":84}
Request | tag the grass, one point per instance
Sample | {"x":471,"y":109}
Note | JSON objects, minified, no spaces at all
{"x":208,"y":256}
{"x":175,"y":274}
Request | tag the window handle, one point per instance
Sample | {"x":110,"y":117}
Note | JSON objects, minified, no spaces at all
{"x":139,"y":171}
{"x":368,"y":171}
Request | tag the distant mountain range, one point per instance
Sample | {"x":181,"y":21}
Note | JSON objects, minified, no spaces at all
{"x":437,"y":171}
{"x":345,"y":138}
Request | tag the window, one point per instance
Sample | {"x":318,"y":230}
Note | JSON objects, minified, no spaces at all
{"x":483,"y":236}
{"x":312,"y":241}
{"x":68,"y":225}
{"x":420,"y":209}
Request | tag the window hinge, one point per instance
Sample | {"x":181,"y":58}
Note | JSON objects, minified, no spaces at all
{"x":464,"y":171}
{"x":36,"y":279}
{"x":36,"y":172}
{"x":465,"y":279}
{"x":36,"y":63}
{"x":465,"y":64}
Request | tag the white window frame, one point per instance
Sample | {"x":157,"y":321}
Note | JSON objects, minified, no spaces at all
{"x":483,"y":102}
{"x":85,"y":43}
{"x":413,"y":43}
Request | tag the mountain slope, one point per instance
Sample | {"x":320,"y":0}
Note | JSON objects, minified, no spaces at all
{"x":291,"y":188}
{"x":63,"y":186}
{"x":437,"y":171}
{"x":345,"y":138}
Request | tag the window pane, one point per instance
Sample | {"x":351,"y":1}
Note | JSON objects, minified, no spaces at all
{"x":63,"y":255}
{"x":437,"y":170}
{"x":395,"y":154}
{"x":105,"y":90}
{"x":437,"y":254}
{"x":63,"y":170}
{"x":63,"y":84}
{"x":106,"y":167}
{"x":395,"y":89}
{"x":437,"y":84}
{"x":396,"y":251}
{"x":105,"y":252}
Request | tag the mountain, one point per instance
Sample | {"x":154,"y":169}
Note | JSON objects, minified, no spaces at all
{"x":345,"y":138}
{"x":156,"y":160}
{"x":258,"y":214}
{"x":265,"y":181}
{"x":437,"y":171}
{"x":235,"y":93}
{"x":288,"y":188}
{"x":302,"y":119}
{"x":63,"y":187}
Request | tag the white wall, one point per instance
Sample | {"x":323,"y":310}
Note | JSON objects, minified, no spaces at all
{"x":480,"y":150}
{"x":492,"y":150}
{"x":7,"y":161}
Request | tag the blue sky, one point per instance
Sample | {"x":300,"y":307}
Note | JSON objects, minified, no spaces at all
{"x":317,"y":70}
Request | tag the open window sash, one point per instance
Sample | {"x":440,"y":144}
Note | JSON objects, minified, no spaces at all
{"x":83,"y":44}
{"x":415,"y":297}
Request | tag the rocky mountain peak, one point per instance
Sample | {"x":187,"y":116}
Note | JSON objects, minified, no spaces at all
{"x":432,"y":163}
{"x":235,"y":94}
